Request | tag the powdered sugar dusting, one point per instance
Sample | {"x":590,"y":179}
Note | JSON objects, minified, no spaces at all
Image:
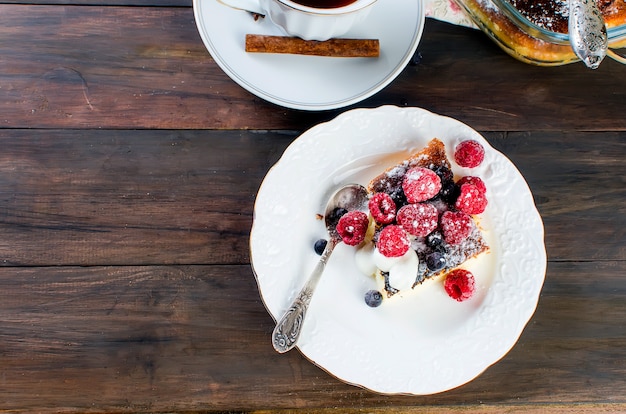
{"x":549,"y":14}
{"x":441,"y":236}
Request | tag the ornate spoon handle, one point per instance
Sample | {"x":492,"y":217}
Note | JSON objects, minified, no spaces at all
{"x":288,"y":328}
{"x":587,"y":32}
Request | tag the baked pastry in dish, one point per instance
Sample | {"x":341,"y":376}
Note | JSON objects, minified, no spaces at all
{"x":535,"y":31}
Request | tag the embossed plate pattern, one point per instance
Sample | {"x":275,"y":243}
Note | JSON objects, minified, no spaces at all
{"x":425,"y":342}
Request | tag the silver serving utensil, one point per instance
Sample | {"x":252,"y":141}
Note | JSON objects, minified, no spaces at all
{"x":587,"y":32}
{"x":287,"y":330}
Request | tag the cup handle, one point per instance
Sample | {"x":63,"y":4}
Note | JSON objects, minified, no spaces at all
{"x":253,"y":6}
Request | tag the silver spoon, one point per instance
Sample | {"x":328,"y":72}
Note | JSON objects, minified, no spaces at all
{"x":587,"y":32}
{"x":287,"y":330}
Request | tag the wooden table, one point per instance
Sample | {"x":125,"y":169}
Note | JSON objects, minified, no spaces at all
{"x":128,"y":172}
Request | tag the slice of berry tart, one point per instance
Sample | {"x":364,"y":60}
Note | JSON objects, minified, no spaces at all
{"x":422,"y":223}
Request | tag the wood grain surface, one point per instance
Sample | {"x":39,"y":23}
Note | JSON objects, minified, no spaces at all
{"x":128,"y":173}
{"x":128,"y":67}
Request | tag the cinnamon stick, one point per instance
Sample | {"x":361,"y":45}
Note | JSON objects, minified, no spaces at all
{"x":293,"y":45}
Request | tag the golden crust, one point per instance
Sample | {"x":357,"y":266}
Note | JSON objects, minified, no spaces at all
{"x":523,"y":46}
{"x":433,"y":155}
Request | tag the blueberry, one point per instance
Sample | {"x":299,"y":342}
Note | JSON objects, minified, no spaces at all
{"x":416,"y":59}
{"x":434,"y":240}
{"x":320,"y":245}
{"x":435,"y":261}
{"x":373,"y":298}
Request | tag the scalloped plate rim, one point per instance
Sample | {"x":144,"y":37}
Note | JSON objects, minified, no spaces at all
{"x":308,"y":348}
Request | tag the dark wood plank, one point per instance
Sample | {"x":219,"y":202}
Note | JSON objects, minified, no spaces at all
{"x":130,"y":197}
{"x":147,"y":68}
{"x":579,"y":184}
{"x":186,"y":197}
{"x":127,"y":187}
{"x":178,"y":338}
{"x":125,"y":3}
{"x":581,"y":408}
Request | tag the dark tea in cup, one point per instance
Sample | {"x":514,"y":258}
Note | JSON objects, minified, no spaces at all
{"x":324,"y":4}
{"x":309,"y":19}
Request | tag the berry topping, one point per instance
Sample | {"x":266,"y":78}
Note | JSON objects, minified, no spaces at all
{"x":434,"y":240}
{"x":393,"y":241}
{"x":455,"y":226}
{"x":373,"y":298}
{"x":444,"y":173}
{"x":449,"y":192}
{"x":382,"y":208}
{"x":459,"y":284}
{"x":435,"y":261}
{"x":336,"y":214}
{"x":418,"y":219}
{"x":320,"y":245}
{"x":471,"y":200}
{"x":469,"y":153}
{"x":352,"y":227}
{"x":420,"y":184}
{"x":477,"y":181}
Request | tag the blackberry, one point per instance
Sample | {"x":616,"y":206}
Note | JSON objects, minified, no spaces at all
{"x":449,"y":192}
{"x":373,"y":298}
{"x":320,"y":245}
{"x":444,"y":173}
{"x":398,"y":196}
{"x":435,"y":261}
{"x":336,"y":214}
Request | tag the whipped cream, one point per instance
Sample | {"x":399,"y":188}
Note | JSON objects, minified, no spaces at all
{"x":401,"y":270}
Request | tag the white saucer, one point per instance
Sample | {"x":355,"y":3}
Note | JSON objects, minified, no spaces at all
{"x":311,"y":82}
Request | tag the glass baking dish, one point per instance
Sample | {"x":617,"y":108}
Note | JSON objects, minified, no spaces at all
{"x":541,"y":40}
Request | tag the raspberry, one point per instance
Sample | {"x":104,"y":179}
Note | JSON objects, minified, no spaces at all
{"x":471,"y":200}
{"x":420,"y":184}
{"x":459,"y":284}
{"x":393,"y":241}
{"x":469,"y":153}
{"x":418,"y":219}
{"x":477,"y":181}
{"x":352,"y":227}
{"x":382,"y":208}
{"x":455,"y":226}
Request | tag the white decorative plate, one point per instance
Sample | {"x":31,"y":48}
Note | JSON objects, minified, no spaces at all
{"x":311,"y":83}
{"x":425,"y":342}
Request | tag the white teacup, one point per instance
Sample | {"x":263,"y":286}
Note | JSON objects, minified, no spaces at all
{"x":309,"y":23}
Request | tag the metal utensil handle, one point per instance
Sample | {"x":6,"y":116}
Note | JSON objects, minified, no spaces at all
{"x":587,"y":32}
{"x":288,"y":328}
